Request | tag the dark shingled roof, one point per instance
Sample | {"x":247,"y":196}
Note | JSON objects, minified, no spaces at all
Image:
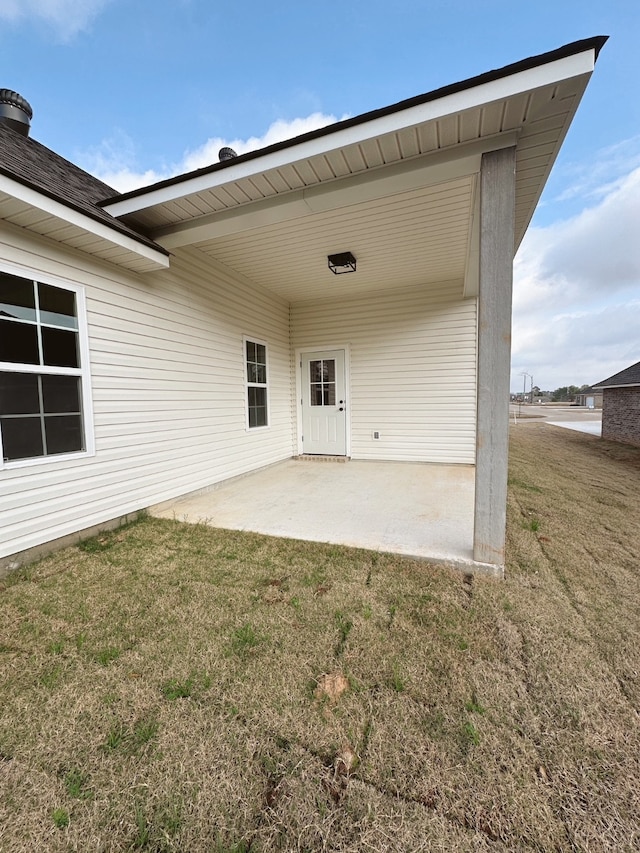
{"x":33,"y":165}
{"x":596,"y":43}
{"x":628,"y":376}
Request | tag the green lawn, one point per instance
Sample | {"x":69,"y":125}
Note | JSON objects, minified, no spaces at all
{"x":172,"y":687}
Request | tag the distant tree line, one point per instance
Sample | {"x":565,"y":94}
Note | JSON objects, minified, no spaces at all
{"x":568,"y":393}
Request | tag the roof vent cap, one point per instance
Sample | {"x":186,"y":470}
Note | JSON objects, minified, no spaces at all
{"x":15,"y":111}
{"x":226,"y":154}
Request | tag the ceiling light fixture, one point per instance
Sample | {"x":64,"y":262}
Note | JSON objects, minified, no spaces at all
{"x":341,"y":263}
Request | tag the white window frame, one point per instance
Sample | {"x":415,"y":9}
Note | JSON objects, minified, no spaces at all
{"x":253,"y":340}
{"x":83,"y":372}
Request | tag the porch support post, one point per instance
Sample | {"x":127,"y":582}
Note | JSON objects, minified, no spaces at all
{"x":497,"y":212}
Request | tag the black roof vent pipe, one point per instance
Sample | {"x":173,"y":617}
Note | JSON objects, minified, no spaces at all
{"x":15,"y":111}
{"x":226,"y":154}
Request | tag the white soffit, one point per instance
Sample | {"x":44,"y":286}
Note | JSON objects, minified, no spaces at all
{"x":418,"y":237}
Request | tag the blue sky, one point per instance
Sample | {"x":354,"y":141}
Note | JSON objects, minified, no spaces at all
{"x":135,"y":91}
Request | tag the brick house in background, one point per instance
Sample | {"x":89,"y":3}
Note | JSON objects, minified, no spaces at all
{"x":621,"y":405}
{"x":590,"y":398}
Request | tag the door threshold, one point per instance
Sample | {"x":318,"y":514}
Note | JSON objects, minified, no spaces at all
{"x":317,"y":457}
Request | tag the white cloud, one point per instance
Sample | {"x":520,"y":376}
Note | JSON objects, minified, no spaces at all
{"x":114,"y":161}
{"x":66,"y":17}
{"x":576,"y":301}
{"x":596,"y":179}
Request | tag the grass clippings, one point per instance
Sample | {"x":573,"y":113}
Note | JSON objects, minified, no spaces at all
{"x":173,"y":687}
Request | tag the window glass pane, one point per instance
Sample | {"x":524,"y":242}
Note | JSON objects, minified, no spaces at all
{"x":60,"y":348}
{"x":17,"y":297}
{"x":257,"y":416}
{"x":61,"y":394}
{"x":19,"y":394}
{"x":57,"y":306}
{"x":252,"y":372}
{"x":261,"y":374}
{"x":329,"y":395}
{"x":315,"y":371}
{"x":257,"y":398}
{"x":261,"y":354}
{"x":63,"y":433}
{"x":251,"y":351}
{"x":316,"y":395}
{"x":329,"y":370}
{"x":21,"y":438}
{"x":18,"y":342}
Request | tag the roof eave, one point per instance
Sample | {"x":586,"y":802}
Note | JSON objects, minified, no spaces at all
{"x":570,"y":61}
{"x":147,"y":255}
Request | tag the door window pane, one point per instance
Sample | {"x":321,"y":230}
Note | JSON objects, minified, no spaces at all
{"x":322,"y":374}
{"x":330,"y":395}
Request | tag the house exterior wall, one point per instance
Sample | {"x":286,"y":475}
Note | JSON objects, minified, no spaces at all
{"x":621,"y":415}
{"x":593,"y":398}
{"x":412,"y":369}
{"x":168,"y":384}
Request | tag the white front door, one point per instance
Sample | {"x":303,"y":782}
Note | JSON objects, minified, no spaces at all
{"x":324,"y":404}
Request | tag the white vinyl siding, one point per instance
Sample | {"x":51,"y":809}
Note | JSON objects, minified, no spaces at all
{"x":412,"y":369}
{"x":169,"y":404}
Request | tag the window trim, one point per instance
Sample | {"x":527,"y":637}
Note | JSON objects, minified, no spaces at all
{"x":253,"y":340}
{"x":83,"y":372}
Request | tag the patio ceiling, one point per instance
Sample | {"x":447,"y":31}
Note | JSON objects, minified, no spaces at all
{"x":398,"y":187}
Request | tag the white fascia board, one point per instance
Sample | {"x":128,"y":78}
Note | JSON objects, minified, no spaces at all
{"x":60,"y":211}
{"x":485,"y":93}
{"x":606,"y":387}
{"x":381,"y":182}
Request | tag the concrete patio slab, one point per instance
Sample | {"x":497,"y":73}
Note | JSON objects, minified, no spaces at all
{"x":591,"y":427}
{"x":420,"y":510}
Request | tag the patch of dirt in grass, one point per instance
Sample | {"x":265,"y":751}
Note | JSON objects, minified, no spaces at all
{"x":160,"y":689}
{"x":331,"y":686}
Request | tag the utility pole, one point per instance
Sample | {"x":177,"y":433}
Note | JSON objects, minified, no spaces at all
{"x":524,"y":375}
